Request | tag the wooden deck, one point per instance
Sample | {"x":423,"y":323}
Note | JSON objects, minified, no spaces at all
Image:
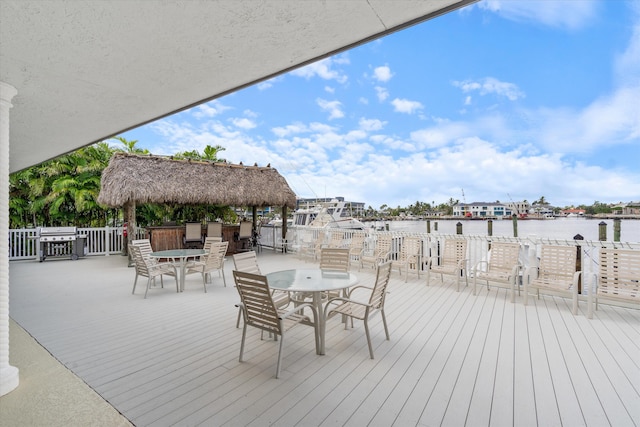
{"x":453,"y":359}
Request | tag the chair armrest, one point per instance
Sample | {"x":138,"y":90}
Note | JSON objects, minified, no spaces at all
{"x":299,"y":308}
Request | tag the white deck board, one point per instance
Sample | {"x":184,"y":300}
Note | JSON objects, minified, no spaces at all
{"x":453,"y":359}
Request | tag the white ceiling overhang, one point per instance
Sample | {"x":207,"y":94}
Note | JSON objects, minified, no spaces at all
{"x":89,"y":70}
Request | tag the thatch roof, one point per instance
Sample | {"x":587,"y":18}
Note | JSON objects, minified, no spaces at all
{"x":155,"y":179}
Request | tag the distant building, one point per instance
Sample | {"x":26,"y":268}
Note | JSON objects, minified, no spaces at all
{"x":573,"y":212}
{"x":481,"y":210}
{"x":519,"y":208}
{"x":631,"y":208}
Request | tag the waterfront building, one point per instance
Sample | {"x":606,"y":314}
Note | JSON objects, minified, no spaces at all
{"x":481,"y":210}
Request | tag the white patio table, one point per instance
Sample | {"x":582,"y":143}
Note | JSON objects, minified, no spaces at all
{"x":182,"y":255}
{"x":314,"y":281}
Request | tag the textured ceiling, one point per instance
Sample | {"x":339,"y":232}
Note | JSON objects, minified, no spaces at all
{"x":88,"y":70}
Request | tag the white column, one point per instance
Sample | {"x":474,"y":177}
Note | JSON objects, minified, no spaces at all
{"x":8,"y":374}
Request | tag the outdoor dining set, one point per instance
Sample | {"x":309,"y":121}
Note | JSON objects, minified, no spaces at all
{"x":276,"y":302}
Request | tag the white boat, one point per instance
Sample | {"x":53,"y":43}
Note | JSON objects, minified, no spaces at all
{"x":333,"y":214}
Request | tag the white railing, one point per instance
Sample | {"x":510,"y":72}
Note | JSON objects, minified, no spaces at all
{"x":109,"y":240}
{"x":100,"y":241}
{"x":477,"y":246}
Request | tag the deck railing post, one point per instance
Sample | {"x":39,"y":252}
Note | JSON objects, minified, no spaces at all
{"x":616,"y":230}
{"x":107,"y":239}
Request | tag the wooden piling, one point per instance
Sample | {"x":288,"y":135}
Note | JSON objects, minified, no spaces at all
{"x":428,"y":226}
{"x":602,"y":231}
{"x":514,"y":219}
{"x":616,"y":230}
{"x":459,"y":228}
{"x":579,"y":261}
{"x":490,"y":227}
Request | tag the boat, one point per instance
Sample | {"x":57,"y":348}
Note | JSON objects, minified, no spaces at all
{"x":333,"y":214}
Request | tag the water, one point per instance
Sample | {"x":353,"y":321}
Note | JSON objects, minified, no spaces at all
{"x":560,"y":228}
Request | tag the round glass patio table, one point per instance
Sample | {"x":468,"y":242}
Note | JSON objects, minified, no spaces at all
{"x":315,"y":281}
{"x":182,"y":255}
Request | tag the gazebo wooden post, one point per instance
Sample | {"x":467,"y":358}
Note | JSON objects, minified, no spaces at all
{"x":130,"y":218}
{"x":284,"y":223}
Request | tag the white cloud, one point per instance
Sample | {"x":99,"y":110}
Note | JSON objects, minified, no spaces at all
{"x":371,"y":125}
{"x":406,"y":106}
{"x":209,"y":109}
{"x":382,"y":93}
{"x":329,"y":89}
{"x":322,"y":69}
{"x":243,"y":123}
{"x":293,"y":128}
{"x":382,"y":74}
{"x":333,"y":107}
{"x":490,"y":85}
{"x":569,"y":14}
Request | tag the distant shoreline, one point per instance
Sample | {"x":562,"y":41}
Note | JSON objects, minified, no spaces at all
{"x":529,"y":218}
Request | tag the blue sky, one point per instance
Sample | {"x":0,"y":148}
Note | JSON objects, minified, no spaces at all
{"x":501,"y":99}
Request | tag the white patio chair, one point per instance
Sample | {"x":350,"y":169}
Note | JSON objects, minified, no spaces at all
{"x":247,"y":262}
{"x":151,"y":269}
{"x":213,"y":261}
{"x":364,"y":310}
{"x":410,"y":257}
{"x":356,"y":246}
{"x":260,"y":312}
{"x":452,"y":261}
{"x":502,"y":267}
{"x":556,"y":273}
{"x":381,"y":253}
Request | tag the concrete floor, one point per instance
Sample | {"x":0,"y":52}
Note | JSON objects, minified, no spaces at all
{"x":49,"y":394}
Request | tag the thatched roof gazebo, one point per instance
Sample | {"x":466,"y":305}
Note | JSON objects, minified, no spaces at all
{"x":132,"y":179}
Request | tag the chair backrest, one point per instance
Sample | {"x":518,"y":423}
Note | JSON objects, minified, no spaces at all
{"x":383,"y":245}
{"x":140,"y":262}
{"x":504,"y":256}
{"x":333,"y":259}
{"x":246,"y":262}
{"x":144,"y":245}
{"x":336,"y":239}
{"x":245,"y":230}
{"x":619,"y":274}
{"x":380,"y":288}
{"x":214,"y":229}
{"x":557,"y":264}
{"x":259,"y":309}
{"x":215,"y":258}
{"x":357,"y":242}
{"x":454,"y":251}
{"x":210,"y":240}
{"x":411,"y":248}
{"x":193,"y":232}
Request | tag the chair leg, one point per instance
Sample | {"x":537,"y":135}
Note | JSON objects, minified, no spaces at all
{"x":240,"y":313}
{"x":148,"y":285}
{"x":134,"y":284}
{"x":244,"y":334}
{"x":384,"y":322}
{"x":223,"y":278}
{"x":366,"y":330}
{"x":279,"y":357}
